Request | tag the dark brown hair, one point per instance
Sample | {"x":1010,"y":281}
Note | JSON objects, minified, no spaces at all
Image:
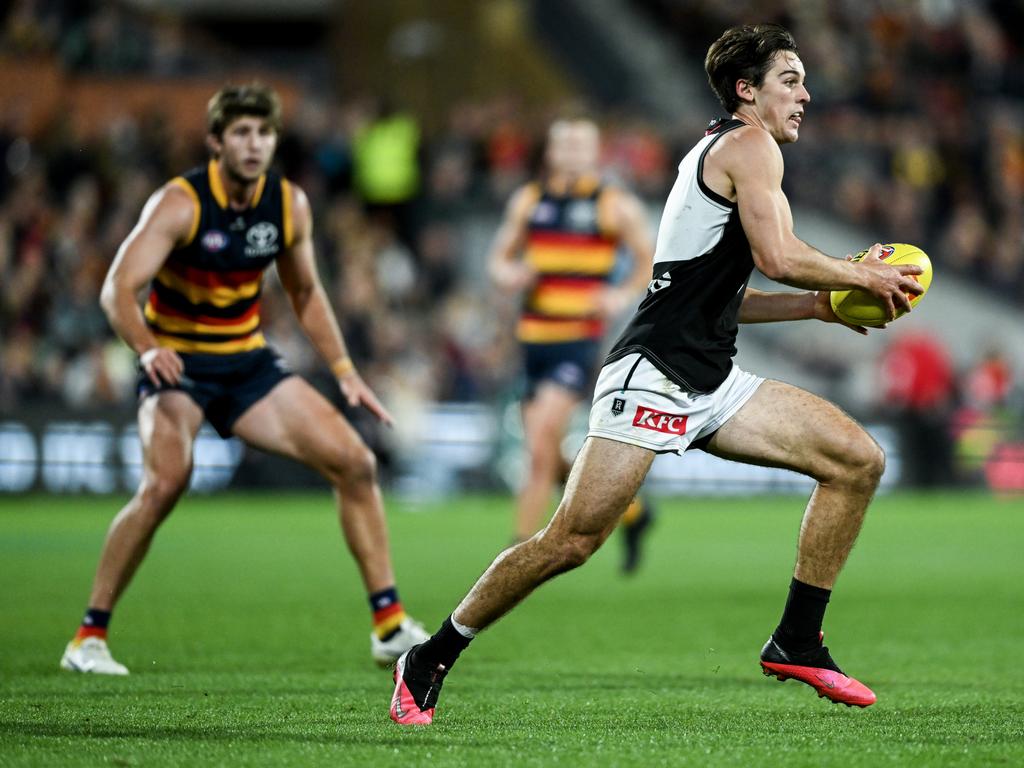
{"x":234,"y":101}
{"x":744,"y":53}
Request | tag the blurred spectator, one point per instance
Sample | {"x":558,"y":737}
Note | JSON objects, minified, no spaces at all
{"x":915,"y":128}
{"x":915,"y":132}
{"x":509,"y":150}
{"x":987,"y":386}
{"x":386,"y":169}
{"x":986,"y":419}
{"x":918,"y":391}
{"x":108,"y":40}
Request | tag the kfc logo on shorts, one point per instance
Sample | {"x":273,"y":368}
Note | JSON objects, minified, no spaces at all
{"x":659,"y":421}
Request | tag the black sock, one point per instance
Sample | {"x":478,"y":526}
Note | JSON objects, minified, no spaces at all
{"x":94,"y":617}
{"x":444,"y":647}
{"x":800,"y":627}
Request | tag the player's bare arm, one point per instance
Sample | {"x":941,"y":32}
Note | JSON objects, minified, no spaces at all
{"x":750,"y":162}
{"x":777,"y":306}
{"x":630,"y":221}
{"x":505,"y":264}
{"x":296,"y":266}
{"x":167,"y":221}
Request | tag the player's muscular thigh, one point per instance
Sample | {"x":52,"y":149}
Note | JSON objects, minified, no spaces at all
{"x":784,"y":426}
{"x":604,"y":479}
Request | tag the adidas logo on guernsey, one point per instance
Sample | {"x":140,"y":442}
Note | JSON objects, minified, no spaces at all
{"x":658,"y":283}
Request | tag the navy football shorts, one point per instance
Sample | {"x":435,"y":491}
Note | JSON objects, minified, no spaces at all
{"x":224,"y":386}
{"x":572,"y":365}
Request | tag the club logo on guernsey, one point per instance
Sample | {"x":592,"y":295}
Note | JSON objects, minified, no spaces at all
{"x":659,"y":421}
{"x":261,"y":239}
{"x":215,"y":241}
{"x":581,"y":214}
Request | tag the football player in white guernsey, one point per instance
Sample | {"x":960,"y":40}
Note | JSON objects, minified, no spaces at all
{"x":670,"y":383}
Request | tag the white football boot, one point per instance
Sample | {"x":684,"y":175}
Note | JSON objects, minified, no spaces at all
{"x":386,"y":652}
{"x":91,"y":655}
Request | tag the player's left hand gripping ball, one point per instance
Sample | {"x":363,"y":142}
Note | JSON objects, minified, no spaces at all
{"x":858,"y":307}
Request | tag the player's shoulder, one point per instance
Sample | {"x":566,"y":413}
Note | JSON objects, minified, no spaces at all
{"x":531,"y":190}
{"x":178,"y":189}
{"x":615,"y":189}
{"x":173,"y":209}
{"x":524,"y":198}
{"x":616,"y":196}
{"x":293,"y":195}
{"x":288,"y":186}
{"x":176,"y":197}
{"x":745,"y":148}
{"x":749,"y":141}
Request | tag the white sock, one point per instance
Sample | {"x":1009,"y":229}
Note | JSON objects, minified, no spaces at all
{"x":467,"y":632}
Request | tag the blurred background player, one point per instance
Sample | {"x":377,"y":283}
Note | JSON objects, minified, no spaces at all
{"x":557,"y":245}
{"x":202,"y":244}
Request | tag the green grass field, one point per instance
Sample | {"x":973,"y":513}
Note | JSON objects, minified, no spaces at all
{"x":247,"y":635}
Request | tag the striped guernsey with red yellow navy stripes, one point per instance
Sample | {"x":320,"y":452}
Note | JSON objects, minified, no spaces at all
{"x":573,"y":251}
{"x":206,"y":296}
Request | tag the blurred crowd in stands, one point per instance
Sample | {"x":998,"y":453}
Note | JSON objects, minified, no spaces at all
{"x":915,"y":130}
{"x":916,"y":134}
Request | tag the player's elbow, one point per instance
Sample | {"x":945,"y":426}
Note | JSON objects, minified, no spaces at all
{"x":774,"y":266}
{"x":108,"y":297}
{"x":500,"y":274}
{"x":300,"y":296}
{"x":494,"y":272}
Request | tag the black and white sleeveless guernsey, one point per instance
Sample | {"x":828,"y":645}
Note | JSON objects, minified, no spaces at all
{"x":687,"y":323}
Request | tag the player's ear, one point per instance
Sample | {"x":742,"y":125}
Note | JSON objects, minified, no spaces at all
{"x":213,"y":143}
{"x":745,"y":91}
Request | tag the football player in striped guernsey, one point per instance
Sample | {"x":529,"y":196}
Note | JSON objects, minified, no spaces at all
{"x":557,"y":247}
{"x":202,"y":244}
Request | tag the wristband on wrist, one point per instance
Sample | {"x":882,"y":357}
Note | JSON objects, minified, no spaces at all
{"x":342,"y":365}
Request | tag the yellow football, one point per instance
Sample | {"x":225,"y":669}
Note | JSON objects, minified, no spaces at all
{"x":858,"y":307}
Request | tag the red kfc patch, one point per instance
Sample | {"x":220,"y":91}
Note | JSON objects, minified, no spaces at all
{"x":659,"y":421}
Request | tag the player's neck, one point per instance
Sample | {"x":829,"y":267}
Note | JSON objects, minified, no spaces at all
{"x":563,"y":183}
{"x":750,"y":118}
{"x":239,"y":192}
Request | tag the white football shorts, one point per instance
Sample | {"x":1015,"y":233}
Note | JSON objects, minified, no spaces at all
{"x":636,"y":403}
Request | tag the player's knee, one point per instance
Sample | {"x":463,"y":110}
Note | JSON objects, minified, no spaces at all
{"x":864,"y":461}
{"x":574,"y":550}
{"x":354,"y":466}
{"x":545,"y":458}
{"x":161,"y":491}
{"x":874,"y":462}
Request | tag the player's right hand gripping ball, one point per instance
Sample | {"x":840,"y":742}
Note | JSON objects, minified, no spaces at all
{"x":858,"y":307}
